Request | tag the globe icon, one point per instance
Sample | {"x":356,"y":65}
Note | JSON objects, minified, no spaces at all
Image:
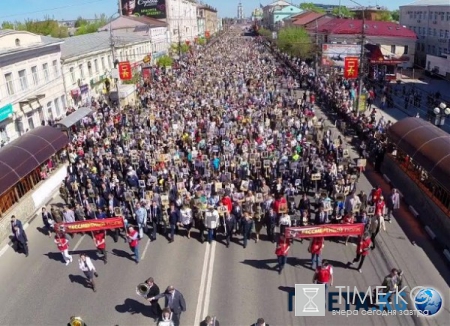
{"x":428,"y":301}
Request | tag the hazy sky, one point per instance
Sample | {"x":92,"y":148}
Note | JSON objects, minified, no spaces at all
{"x":12,"y":10}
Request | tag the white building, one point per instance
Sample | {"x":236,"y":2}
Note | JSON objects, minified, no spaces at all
{"x":87,"y":61}
{"x":182,"y":20}
{"x":430,"y":19}
{"x":156,"y":30}
{"x":31,"y":89}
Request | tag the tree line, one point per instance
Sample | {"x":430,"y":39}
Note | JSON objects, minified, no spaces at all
{"x":52,"y":27}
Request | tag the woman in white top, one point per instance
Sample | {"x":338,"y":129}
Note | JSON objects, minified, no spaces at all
{"x":285,"y":222}
{"x":87,"y":267}
{"x":186,"y":219}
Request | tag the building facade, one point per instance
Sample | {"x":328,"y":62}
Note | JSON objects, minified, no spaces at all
{"x":430,"y":19}
{"x":279,"y":14}
{"x":211,"y":19}
{"x":182,"y":20}
{"x":31,"y":90}
{"x":88,"y":60}
{"x":267,"y":12}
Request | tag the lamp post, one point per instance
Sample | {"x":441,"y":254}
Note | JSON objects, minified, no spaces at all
{"x":114,"y":72}
{"x":361,"y":58}
{"x":441,"y":112}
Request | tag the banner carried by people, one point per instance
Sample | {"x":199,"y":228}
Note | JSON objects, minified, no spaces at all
{"x":325,"y":230}
{"x":91,"y":225}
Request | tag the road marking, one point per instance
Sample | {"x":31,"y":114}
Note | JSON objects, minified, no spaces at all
{"x":145,"y":249}
{"x":209,"y":283}
{"x":5,"y":248}
{"x":201,"y":292}
{"x":78,"y":243}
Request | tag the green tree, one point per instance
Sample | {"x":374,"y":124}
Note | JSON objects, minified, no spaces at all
{"x":8,"y":25}
{"x":91,"y":27}
{"x":343,"y":11}
{"x":384,"y":16}
{"x":309,"y":6}
{"x":265,"y":32}
{"x":80,"y":22}
{"x":201,"y":41}
{"x":295,"y":41}
{"x":164,"y":61}
{"x":179,"y":48}
{"x":395,"y":15}
{"x":134,"y":80}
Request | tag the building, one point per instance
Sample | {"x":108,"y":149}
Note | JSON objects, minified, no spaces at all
{"x":430,"y":19}
{"x":303,"y":18}
{"x":208,"y":21}
{"x":327,"y":8}
{"x":279,"y":14}
{"x":395,"y":42}
{"x":31,"y":90}
{"x":87,"y":61}
{"x":369,"y":13}
{"x":439,"y":66}
{"x":257,"y":14}
{"x":269,"y":9}
{"x":182,"y":20}
{"x":240,"y":11}
{"x":156,"y":31}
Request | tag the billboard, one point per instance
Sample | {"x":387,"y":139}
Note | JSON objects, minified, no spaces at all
{"x":150,"y":8}
{"x":334,"y":54}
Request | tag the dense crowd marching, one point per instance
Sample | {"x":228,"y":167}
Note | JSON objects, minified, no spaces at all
{"x":219,"y":145}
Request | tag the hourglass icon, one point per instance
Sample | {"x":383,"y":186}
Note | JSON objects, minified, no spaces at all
{"x":310,"y":293}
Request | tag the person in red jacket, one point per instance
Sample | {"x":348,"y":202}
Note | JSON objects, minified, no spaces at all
{"x":362,"y":250}
{"x":281,"y":251}
{"x":133,"y":241}
{"x":376,"y":194}
{"x":226,"y":201}
{"x":280,"y":204}
{"x":315,"y":248}
{"x":324,"y":275}
{"x":63,"y":245}
{"x":100,"y":243}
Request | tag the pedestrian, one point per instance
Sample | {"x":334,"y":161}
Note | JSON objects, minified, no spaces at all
{"x":141,"y":219}
{"x":229,"y":225}
{"x":68,"y":217}
{"x":100,"y":243}
{"x":20,"y":237}
{"x":393,"y":204}
{"x":166,"y":318}
{"x":315,"y":248}
{"x":63,"y":245}
{"x":174,"y":300}
{"x":211,"y":222}
{"x":133,"y":242}
{"x":210,"y":321}
{"x":281,"y":252}
{"x":87,"y":267}
{"x":47,"y":220}
{"x":15,"y":222}
{"x":324,"y":274}
{"x":375,"y":225}
{"x":174,"y":219}
{"x":271,"y":223}
{"x":260,"y":322}
{"x":362,"y":250}
{"x":153,"y":291}
{"x":247,"y":226}
{"x":390,"y":281}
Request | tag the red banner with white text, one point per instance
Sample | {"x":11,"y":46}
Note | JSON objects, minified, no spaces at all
{"x":351,"y":66}
{"x":325,"y":230}
{"x":91,"y":225}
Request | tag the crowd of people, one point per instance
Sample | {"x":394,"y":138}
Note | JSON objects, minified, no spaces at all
{"x":222,"y":144}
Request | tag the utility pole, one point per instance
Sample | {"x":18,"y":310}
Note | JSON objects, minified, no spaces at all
{"x":179,"y":40}
{"x":317,"y":49}
{"x":361,"y":64}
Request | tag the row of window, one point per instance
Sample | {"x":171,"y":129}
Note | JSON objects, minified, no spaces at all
{"x":28,"y":79}
{"x":432,"y":15}
{"x":432,"y":49}
{"x":443,"y":33}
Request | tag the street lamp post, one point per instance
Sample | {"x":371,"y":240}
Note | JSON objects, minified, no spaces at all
{"x":441,"y":112}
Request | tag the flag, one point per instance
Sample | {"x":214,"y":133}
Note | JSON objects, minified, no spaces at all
{"x":351,"y":65}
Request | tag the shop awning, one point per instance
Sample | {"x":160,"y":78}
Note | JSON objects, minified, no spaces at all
{"x":23,"y":155}
{"x":426,"y":144}
{"x":73,"y":118}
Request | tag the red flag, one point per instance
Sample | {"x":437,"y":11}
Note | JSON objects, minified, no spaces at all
{"x":125,"y":72}
{"x":351,"y":66}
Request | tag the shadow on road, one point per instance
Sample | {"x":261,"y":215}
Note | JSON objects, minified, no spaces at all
{"x":133,"y":307}
{"x":122,"y":253}
{"x":261,"y":264}
{"x":78,"y":279}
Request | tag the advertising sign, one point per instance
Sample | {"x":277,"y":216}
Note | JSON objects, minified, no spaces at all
{"x":325,"y":230}
{"x":91,"y":225}
{"x":334,"y":54}
{"x":150,"y":8}
{"x":351,"y":65}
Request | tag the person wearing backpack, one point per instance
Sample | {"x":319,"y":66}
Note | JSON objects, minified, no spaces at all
{"x":324,"y":275}
{"x":315,"y":248}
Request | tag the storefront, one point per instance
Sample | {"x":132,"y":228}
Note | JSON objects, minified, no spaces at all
{"x":6,"y":114}
{"x":382,"y":67}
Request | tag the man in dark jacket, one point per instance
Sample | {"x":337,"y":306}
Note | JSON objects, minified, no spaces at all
{"x":173,"y":300}
{"x":153,"y":292}
{"x":174,"y":219}
{"x":21,"y":239}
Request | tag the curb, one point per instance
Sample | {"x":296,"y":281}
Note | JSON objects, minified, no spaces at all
{"x":27,"y":224}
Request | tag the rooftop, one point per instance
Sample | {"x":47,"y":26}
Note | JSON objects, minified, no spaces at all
{"x":123,"y":22}
{"x":78,"y":45}
{"x":372,"y":28}
{"x":428,"y":3}
{"x":41,"y":41}
{"x":305,"y":17}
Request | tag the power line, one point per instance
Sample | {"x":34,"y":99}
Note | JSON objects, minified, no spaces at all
{"x":52,"y":9}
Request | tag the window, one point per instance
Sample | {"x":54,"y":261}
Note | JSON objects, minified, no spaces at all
{"x":63,"y":102}
{"x":434,"y":32}
{"x":30,"y":120}
{"x":49,"y":111}
{"x":109,"y":61}
{"x":440,"y":51}
{"x":96,"y":65}
{"x":434,"y":49}
{"x":406,"y":48}
{"x":72,"y":75}
{"x":23,"y":80}
{"x":430,"y":31}
{"x":448,"y":16}
{"x":45,"y":68}
{"x":442,"y":16}
{"x":103,"y":63}
{"x":392,"y":48}
{"x":57,"y":109}
{"x":34,"y":73}
{"x":9,"y":84}
{"x":81,"y":71}
{"x":55,"y":68}
{"x":89,"y":65}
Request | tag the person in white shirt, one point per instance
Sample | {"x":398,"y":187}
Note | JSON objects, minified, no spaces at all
{"x":186,"y":219}
{"x":285,"y":222}
{"x":211,"y":222}
{"x":88,"y":268}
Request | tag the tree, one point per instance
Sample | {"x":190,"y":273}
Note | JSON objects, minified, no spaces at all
{"x":309,"y":6}
{"x":295,"y":41}
{"x":134,"y":80}
{"x":80,"y":22}
{"x":384,"y":16}
{"x":395,"y":15}
{"x":164,"y":61}
{"x":91,"y":27}
{"x":343,"y":11}
{"x":265,"y":32}
{"x":180,"y":48}
{"x":8,"y":25}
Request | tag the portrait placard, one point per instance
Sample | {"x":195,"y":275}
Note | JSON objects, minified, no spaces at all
{"x":356,"y":208}
{"x":370,"y":210}
{"x":361,"y":163}
{"x":180,"y":186}
{"x":283,"y":208}
{"x":327,"y":206}
{"x":340,"y":197}
{"x":266,"y":164}
{"x":244,"y":185}
{"x":141,"y":183}
{"x":316,"y":177}
{"x":259,"y":198}
{"x":345,"y":153}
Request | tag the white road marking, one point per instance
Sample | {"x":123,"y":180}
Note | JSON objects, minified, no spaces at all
{"x":78,"y":243}
{"x":201,"y":292}
{"x":4,"y":249}
{"x":145,"y":249}
{"x":26,"y":225}
{"x":209,"y":282}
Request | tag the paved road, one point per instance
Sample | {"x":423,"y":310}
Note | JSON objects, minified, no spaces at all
{"x":237,"y":285}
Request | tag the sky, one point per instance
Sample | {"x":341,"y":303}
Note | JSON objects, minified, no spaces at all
{"x":12,"y":10}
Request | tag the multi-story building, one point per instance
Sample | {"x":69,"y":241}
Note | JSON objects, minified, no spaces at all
{"x":269,"y":10}
{"x":240,"y":11}
{"x":430,"y":19}
{"x":87,"y":61}
{"x":181,"y":16}
{"x":156,"y":31}
{"x":31,"y":90}
{"x":211,"y":19}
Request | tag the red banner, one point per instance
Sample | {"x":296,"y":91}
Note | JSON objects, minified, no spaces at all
{"x":351,"y":65}
{"x":125,"y":72}
{"x":91,"y":225}
{"x":325,"y":230}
